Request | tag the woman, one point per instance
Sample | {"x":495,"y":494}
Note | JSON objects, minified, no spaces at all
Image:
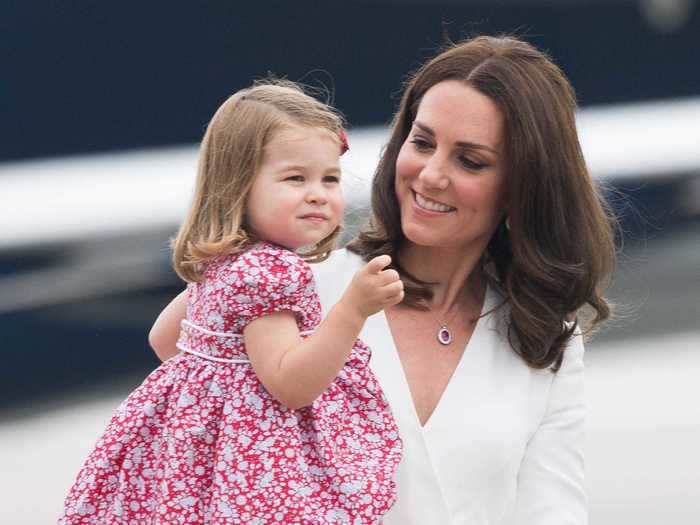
{"x":483,"y":201}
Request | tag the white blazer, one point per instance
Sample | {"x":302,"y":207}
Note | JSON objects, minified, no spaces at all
{"x":504,"y":444}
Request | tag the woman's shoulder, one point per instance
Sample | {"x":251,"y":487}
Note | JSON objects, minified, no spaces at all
{"x":338,"y":263}
{"x":334,"y":274}
{"x":338,"y":260}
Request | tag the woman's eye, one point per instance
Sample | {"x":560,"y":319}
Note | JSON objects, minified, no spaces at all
{"x":420,"y":144}
{"x":471,"y":164}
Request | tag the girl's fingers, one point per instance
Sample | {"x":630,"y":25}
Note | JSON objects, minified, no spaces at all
{"x":394,"y":288}
{"x":388,"y":277}
{"x":396,"y":299}
{"x":378,"y":263}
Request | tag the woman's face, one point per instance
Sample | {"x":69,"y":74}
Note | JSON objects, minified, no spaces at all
{"x":449,"y":171}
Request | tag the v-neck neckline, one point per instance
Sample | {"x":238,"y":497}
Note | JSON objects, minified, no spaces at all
{"x":391,"y":373}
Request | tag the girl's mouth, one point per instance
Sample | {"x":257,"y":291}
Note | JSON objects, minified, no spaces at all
{"x":315,"y":217}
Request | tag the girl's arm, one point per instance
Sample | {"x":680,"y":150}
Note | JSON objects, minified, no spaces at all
{"x":166,"y":329}
{"x":296,"y":371}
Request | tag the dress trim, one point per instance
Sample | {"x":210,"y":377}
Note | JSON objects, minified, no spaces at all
{"x":210,"y":357}
{"x":189,"y":324}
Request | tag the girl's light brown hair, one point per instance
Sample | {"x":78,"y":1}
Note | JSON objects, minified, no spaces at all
{"x":559,"y":252}
{"x":230,"y":156}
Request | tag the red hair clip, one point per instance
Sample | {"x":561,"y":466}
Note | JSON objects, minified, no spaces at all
{"x":344,"y":146}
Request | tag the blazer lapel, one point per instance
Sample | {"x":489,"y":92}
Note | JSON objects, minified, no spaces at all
{"x":419,"y":499}
{"x":467,"y":437}
{"x":416,"y":478}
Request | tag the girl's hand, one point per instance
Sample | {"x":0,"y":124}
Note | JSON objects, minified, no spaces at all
{"x":372,"y":288}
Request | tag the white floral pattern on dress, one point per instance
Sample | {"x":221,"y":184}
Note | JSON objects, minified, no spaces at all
{"x":203,"y":442}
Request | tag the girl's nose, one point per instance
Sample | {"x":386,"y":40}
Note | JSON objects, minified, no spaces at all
{"x":434,"y":173}
{"x":316,"y":195}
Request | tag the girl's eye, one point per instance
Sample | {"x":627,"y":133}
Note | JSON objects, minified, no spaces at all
{"x":331,"y":178}
{"x":295,"y":178}
{"x":420,"y":144}
{"x":471,"y":164}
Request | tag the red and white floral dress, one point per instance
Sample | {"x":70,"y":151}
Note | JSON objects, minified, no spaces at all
{"x":201,"y":441}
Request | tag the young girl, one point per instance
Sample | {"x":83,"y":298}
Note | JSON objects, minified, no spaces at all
{"x":267,"y":415}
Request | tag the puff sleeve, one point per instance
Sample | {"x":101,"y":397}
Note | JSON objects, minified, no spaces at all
{"x":264,"y":280}
{"x":551,"y":478}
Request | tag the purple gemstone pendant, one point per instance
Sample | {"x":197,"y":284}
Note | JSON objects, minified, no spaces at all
{"x":444,"y":336}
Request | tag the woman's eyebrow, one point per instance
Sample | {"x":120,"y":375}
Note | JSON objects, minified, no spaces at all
{"x":467,"y":145}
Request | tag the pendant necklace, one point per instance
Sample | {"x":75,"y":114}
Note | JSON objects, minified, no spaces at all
{"x":444,"y":336}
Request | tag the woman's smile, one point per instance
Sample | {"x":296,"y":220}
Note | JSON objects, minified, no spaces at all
{"x":427,"y":204}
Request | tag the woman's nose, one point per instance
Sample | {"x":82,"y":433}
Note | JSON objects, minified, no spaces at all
{"x":434,"y":173}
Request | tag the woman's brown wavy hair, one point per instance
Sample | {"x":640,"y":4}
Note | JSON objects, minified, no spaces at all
{"x":559,"y":252}
{"x":230,"y":156}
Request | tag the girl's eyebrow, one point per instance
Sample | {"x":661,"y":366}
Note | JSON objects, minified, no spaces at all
{"x":300,"y":167}
{"x":466,"y":145}
{"x":293,"y":167}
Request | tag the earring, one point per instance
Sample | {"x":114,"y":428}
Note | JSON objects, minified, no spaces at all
{"x":508,"y":222}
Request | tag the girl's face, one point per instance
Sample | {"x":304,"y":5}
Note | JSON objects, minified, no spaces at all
{"x":296,"y":198}
{"x":449,"y":180}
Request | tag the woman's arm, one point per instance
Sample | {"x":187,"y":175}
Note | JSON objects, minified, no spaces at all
{"x":550,"y":482}
{"x":296,"y":371}
{"x":166,"y":330}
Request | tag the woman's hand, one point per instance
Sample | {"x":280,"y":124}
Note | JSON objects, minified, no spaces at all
{"x":373,"y":288}
{"x":166,"y":329}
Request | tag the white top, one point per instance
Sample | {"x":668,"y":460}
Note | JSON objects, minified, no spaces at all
{"x":504,"y":444}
